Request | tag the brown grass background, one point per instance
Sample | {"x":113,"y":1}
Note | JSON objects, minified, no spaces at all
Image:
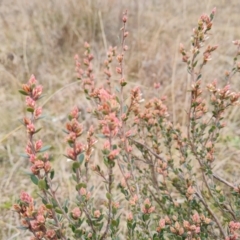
{"x":41,"y":37}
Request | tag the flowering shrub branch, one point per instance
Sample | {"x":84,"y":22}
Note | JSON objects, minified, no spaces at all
{"x":163,"y":172}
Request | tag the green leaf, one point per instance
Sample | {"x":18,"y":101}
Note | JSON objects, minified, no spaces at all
{"x":65,"y":131}
{"x":52,"y":174}
{"x":23,"y":92}
{"x":38,"y":130}
{"x":108,"y":195}
{"x":195,"y":64}
{"x":42,"y":184}
{"x":100,"y":227}
{"x":65,"y":206}
{"x":80,"y":185}
{"x":114,"y":223}
{"x":45,"y":148}
{"x":76,"y":165}
{"x":145,"y":217}
{"x":117,"y":90}
{"x":100,"y":135}
{"x":58,"y":210}
{"x":49,"y":206}
{"x":81,"y":158}
{"x":30,"y":110}
{"x":34,"y":179}
{"x":134,"y":225}
{"x":74,"y":177}
{"x":24,"y":155}
{"x":22,"y":228}
{"x":106,"y":162}
{"x":123,"y":84}
{"x":44,"y":201}
{"x":54,"y":202}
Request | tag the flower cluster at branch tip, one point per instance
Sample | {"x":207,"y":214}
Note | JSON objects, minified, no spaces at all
{"x":34,"y":219}
{"x":233,"y":228}
{"x":86,"y":75}
{"x":192,"y":229}
{"x":147,"y":207}
{"x":40,"y":162}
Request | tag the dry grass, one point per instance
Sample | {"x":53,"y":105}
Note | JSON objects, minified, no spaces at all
{"x":41,"y":37}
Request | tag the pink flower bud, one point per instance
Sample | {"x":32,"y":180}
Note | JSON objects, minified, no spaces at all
{"x":125,"y":48}
{"x":130,"y":216}
{"x":30,"y":102}
{"x":32,"y":80}
{"x":37,"y":91}
{"x":112,"y":155}
{"x":39,"y":164}
{"x":118,"y":70}
{"x":38,"y":145}
{"x":214,"y":10}
{"x":31,"y":128}
{"x":47,"y":166}
{"x":37,"y":112}
{"x":75,"y":112}
{"x":25,"y":197}
{"x":86,"y":45}
{"x":125,"y":34}
{"x":97,"y":213}
{"x":76,"y":213}
{"x":156,"y":85}
{"x":40,"y":219}
{"x":124,"y":19}
{"x":50,"y":234}
{"x":83,"y":191}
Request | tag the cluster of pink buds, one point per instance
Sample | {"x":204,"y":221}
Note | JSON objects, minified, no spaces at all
{"x":210,"y":151}
{"x":162,"y":168}
{"x":76,"y":213}
{"x":74,"y":129}
{"x":177,"y":229}
{"x":136,"y":99}
{"x":207,"y":53}
{"x":124,"y":180}
{"x":194,"y":227}
{"x":204,"y":25}
{"x":147,"y":207}
{"x":185,"y":55}
{"x":86,"y":194}
{"x":120,"y":57}
{"x":154,"y":109}
{"x":110,"y":125}
{"x":110,"y":55}
{"x":107,"y":101}
{"x":133,"y":200}
{"x":233,"y":228}
{"x":198,"y":103}
{"x":85,"y":75}
{"x":222,"y":98}
{"x":97,"y":214}
{"x":34,"y":219}
{"x":129,"y":217}
{"x":163,"y":222}
{"x":190,"y":192}
{"x":33,"y":92}
{"x":90,"y":142}
{"x":198,"y":38}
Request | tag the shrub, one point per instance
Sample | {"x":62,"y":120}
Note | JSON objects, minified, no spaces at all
{"x":164,"y":172}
